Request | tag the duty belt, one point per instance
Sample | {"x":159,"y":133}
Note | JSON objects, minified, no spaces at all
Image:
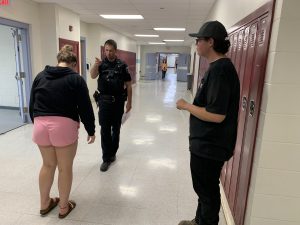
{"x":111,"y":98}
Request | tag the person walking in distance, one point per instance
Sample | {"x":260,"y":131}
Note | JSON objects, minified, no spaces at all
{"x":213,"y":121}
{"x":164,"y":68}
{"x":114,"y":87}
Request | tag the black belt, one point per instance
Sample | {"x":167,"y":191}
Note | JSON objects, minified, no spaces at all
{"x":111,"y":98}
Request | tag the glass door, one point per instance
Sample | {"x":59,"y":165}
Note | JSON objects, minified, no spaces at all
{"x":20,"y":74}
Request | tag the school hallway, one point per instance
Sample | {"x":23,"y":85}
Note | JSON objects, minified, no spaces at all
{"x":149,"y":184}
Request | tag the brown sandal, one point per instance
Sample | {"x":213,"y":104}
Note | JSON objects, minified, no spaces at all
{"x":71,"y":205}
{"x":53,"y":203}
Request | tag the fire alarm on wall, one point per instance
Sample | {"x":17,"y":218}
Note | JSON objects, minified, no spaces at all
{"x":70,"y":28}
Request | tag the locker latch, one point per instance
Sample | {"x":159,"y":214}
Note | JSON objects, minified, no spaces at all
{"x":244,"y":103}
{"x":252,"y":108}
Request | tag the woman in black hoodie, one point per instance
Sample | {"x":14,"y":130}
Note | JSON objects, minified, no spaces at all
{"x":59,"y":101}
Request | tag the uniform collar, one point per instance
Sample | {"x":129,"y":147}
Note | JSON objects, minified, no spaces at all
{"x":112,"y":62}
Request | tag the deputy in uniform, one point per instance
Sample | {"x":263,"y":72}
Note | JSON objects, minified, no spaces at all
{"x":114,"y":86}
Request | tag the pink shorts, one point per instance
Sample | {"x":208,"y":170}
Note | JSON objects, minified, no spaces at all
{"x":54,"y":131}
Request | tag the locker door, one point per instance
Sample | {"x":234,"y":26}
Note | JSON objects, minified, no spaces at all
{"x":193,"y":72}
{"x":203,"y":66}
{"x":227,"y":166}
{"x":253,"y":107}
{"x":245,"y":75}
{"x":237,"y":63}
{"x":233,"y":52}
{"x":231,"y":55}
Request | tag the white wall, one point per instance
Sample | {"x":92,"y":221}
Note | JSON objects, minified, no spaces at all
{"x":83,"y":29}
{"x":54,"y":24}
{"x":165,"y":49}
{"x":48,"y":22}
{"x":9,"y":88}
{"x":65,"y":19}
{"x":49,"y":33}
{"x":27,"y":11}
{"x":229,"y":12}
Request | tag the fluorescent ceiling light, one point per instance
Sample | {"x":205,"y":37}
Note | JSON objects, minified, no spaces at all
{"x":169,"y":29}
{"x":174,"y":40}
{"x":122,"y":17}
{"x":146,"y":35}
{"x":157,"y":43}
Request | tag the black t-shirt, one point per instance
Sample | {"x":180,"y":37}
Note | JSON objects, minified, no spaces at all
{"x":219,"y":93}
{"x":112,"y":77}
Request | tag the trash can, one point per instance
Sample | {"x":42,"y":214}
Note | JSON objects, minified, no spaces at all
{"x":189,"y":81}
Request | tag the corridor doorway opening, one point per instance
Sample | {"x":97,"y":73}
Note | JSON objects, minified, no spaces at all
{"x":16,"y":75}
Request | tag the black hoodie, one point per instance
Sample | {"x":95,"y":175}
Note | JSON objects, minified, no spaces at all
{"x":59,"y":91}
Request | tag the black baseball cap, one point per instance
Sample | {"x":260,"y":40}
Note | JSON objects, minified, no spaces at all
{"x":213,"y":29}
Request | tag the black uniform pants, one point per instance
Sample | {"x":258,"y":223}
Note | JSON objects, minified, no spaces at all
{"x":110,"y":116}
{"x":205,"y":175}
{"x":163,"y":74}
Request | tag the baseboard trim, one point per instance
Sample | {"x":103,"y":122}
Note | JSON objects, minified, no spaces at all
{"x":9,"y":107}
{"x":226,"y":209}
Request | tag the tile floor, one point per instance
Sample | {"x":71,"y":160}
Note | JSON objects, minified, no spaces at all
{"x":9,"y":120}
{"x":149,"y":184}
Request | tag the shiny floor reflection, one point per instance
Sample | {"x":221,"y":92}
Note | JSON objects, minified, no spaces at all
{"x":149,"y":184}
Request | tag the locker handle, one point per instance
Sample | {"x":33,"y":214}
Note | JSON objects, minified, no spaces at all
{"x":244,"y":103}
{"x":252,"y":108}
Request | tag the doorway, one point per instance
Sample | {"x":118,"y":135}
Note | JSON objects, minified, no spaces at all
{"x":83,"y":57}
{"x":171,"y":60}
{"x":16,"y":75}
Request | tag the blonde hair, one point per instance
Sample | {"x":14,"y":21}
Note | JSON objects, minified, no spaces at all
{"x":66,"y":55}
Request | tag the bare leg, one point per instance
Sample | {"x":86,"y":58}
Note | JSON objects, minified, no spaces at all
{"x":47,"y":174}
{"x":65,"y":157}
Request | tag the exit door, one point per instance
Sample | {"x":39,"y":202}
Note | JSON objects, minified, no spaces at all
{"x":151,"y":69}
{"x":15,"y":73}
{"x":20,"y":74}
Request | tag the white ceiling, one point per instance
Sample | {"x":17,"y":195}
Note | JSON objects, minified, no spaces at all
{"x":189,"y":14}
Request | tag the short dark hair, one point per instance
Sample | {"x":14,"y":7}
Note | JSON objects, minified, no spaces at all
{"x":111,"y":42}
{"x":220,"y":46}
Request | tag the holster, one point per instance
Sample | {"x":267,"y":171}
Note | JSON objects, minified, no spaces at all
{"x":96,"y":97}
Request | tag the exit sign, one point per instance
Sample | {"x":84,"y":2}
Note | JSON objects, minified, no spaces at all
{"x":4,"y":2}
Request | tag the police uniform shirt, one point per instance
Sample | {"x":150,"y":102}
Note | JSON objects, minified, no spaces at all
{"x":219,"y":93}
{"x":112,"y":77}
